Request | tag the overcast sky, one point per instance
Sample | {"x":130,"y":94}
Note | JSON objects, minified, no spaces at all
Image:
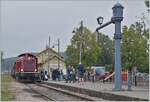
{"x":26,"y":25}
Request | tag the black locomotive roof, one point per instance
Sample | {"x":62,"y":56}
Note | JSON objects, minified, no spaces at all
{"x":28,"y":54}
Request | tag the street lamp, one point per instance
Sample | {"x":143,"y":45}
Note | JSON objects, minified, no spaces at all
{"x":58,"y":44}
{"x":100,"y":20}
{"x":74,"y":31}
{"x":80,"y":46}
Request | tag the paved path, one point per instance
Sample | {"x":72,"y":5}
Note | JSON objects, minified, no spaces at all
{"x":137,"y":92}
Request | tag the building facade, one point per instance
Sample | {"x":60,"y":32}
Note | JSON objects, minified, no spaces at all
{"x":49,"y":60}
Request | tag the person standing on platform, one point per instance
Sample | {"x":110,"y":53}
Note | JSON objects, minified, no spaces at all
{"x":64,"y":74}
{"x":46,"y":75}
{"x":58,"y":74}
{"x":81,"y":71}
{"x":72,"y":74}
{"x":93,"y":74}
{"x":69,"y":74}
{"x":88,"y":76}
{"x":42,"y":75}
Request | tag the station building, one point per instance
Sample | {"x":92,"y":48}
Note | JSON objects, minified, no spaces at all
{"x":49,"y":60}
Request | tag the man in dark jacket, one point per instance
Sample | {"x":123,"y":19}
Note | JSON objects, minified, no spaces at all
{"x":42,"y":75}
{"x":69,"y":70}
{"x":81,"y":71}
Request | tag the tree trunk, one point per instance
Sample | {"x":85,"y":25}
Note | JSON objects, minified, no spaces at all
{"x":129,"y":80}
{"x":134,"y":75}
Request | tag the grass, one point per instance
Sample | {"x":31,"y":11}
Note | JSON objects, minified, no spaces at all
{"x":6,"y":94}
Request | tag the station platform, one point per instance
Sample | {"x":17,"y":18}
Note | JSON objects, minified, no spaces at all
{"x":104,"y":90}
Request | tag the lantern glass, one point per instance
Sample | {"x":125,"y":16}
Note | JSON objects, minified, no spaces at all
{"x":100,"y":20}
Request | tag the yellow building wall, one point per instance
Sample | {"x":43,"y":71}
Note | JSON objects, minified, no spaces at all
{"x":53,"y":63}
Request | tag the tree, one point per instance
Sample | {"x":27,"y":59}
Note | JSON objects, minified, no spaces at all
{"x":72,"y":56}
{"x":142,"y":28}
{"x":1,"y":52}
{"x":130,"y":47}
{"x":107,"y":53}
{"x":134,"y":49}
{"x":147,"y":4}
{"x":90,"y":49}
{"x":143,"y":33}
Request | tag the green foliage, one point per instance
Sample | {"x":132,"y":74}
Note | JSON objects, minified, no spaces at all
{"x":107,"y":45}
{"x":109,"y":67}
{"x":147,"y":3}
{"x":1,"y":52}
{"x":73,"y":55}
{"x":134,"y":47}
{"x":135,"y":44}
{"x":90,"y":49}
{"x":6,"y":94}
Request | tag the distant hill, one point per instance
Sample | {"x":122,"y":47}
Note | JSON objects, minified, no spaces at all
{"x":7,"y":64}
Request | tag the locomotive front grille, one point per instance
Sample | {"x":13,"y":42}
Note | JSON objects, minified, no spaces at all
{"x":28,"y":74}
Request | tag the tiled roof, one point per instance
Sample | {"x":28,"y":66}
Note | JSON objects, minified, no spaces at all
{"x":61,"y":57}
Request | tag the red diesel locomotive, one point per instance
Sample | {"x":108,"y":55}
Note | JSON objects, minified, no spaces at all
{"x":25,"y":68}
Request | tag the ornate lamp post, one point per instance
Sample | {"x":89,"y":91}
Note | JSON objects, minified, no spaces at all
{"x":81,"y":33}
{"x":58,"y":44}
{"x":116,"y":19}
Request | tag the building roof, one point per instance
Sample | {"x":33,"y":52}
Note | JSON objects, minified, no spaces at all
{"x":46,"y":51}
{"x":50,"y":50}
{"x":55,"y":54}
{"x":51,"y":58}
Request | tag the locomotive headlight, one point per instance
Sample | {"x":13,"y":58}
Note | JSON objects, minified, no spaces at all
{"x":21,"y":70}
{"x":35,"y":69}
{"x":29,"y":58}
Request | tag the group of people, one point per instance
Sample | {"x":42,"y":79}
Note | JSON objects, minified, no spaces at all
{"x":71,"y":74}
{"x":56,"y":74}
{"x":80,"y":74}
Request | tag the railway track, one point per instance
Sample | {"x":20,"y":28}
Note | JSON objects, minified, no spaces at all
{"x":56,"y":94}
{"x":44,"y":96}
